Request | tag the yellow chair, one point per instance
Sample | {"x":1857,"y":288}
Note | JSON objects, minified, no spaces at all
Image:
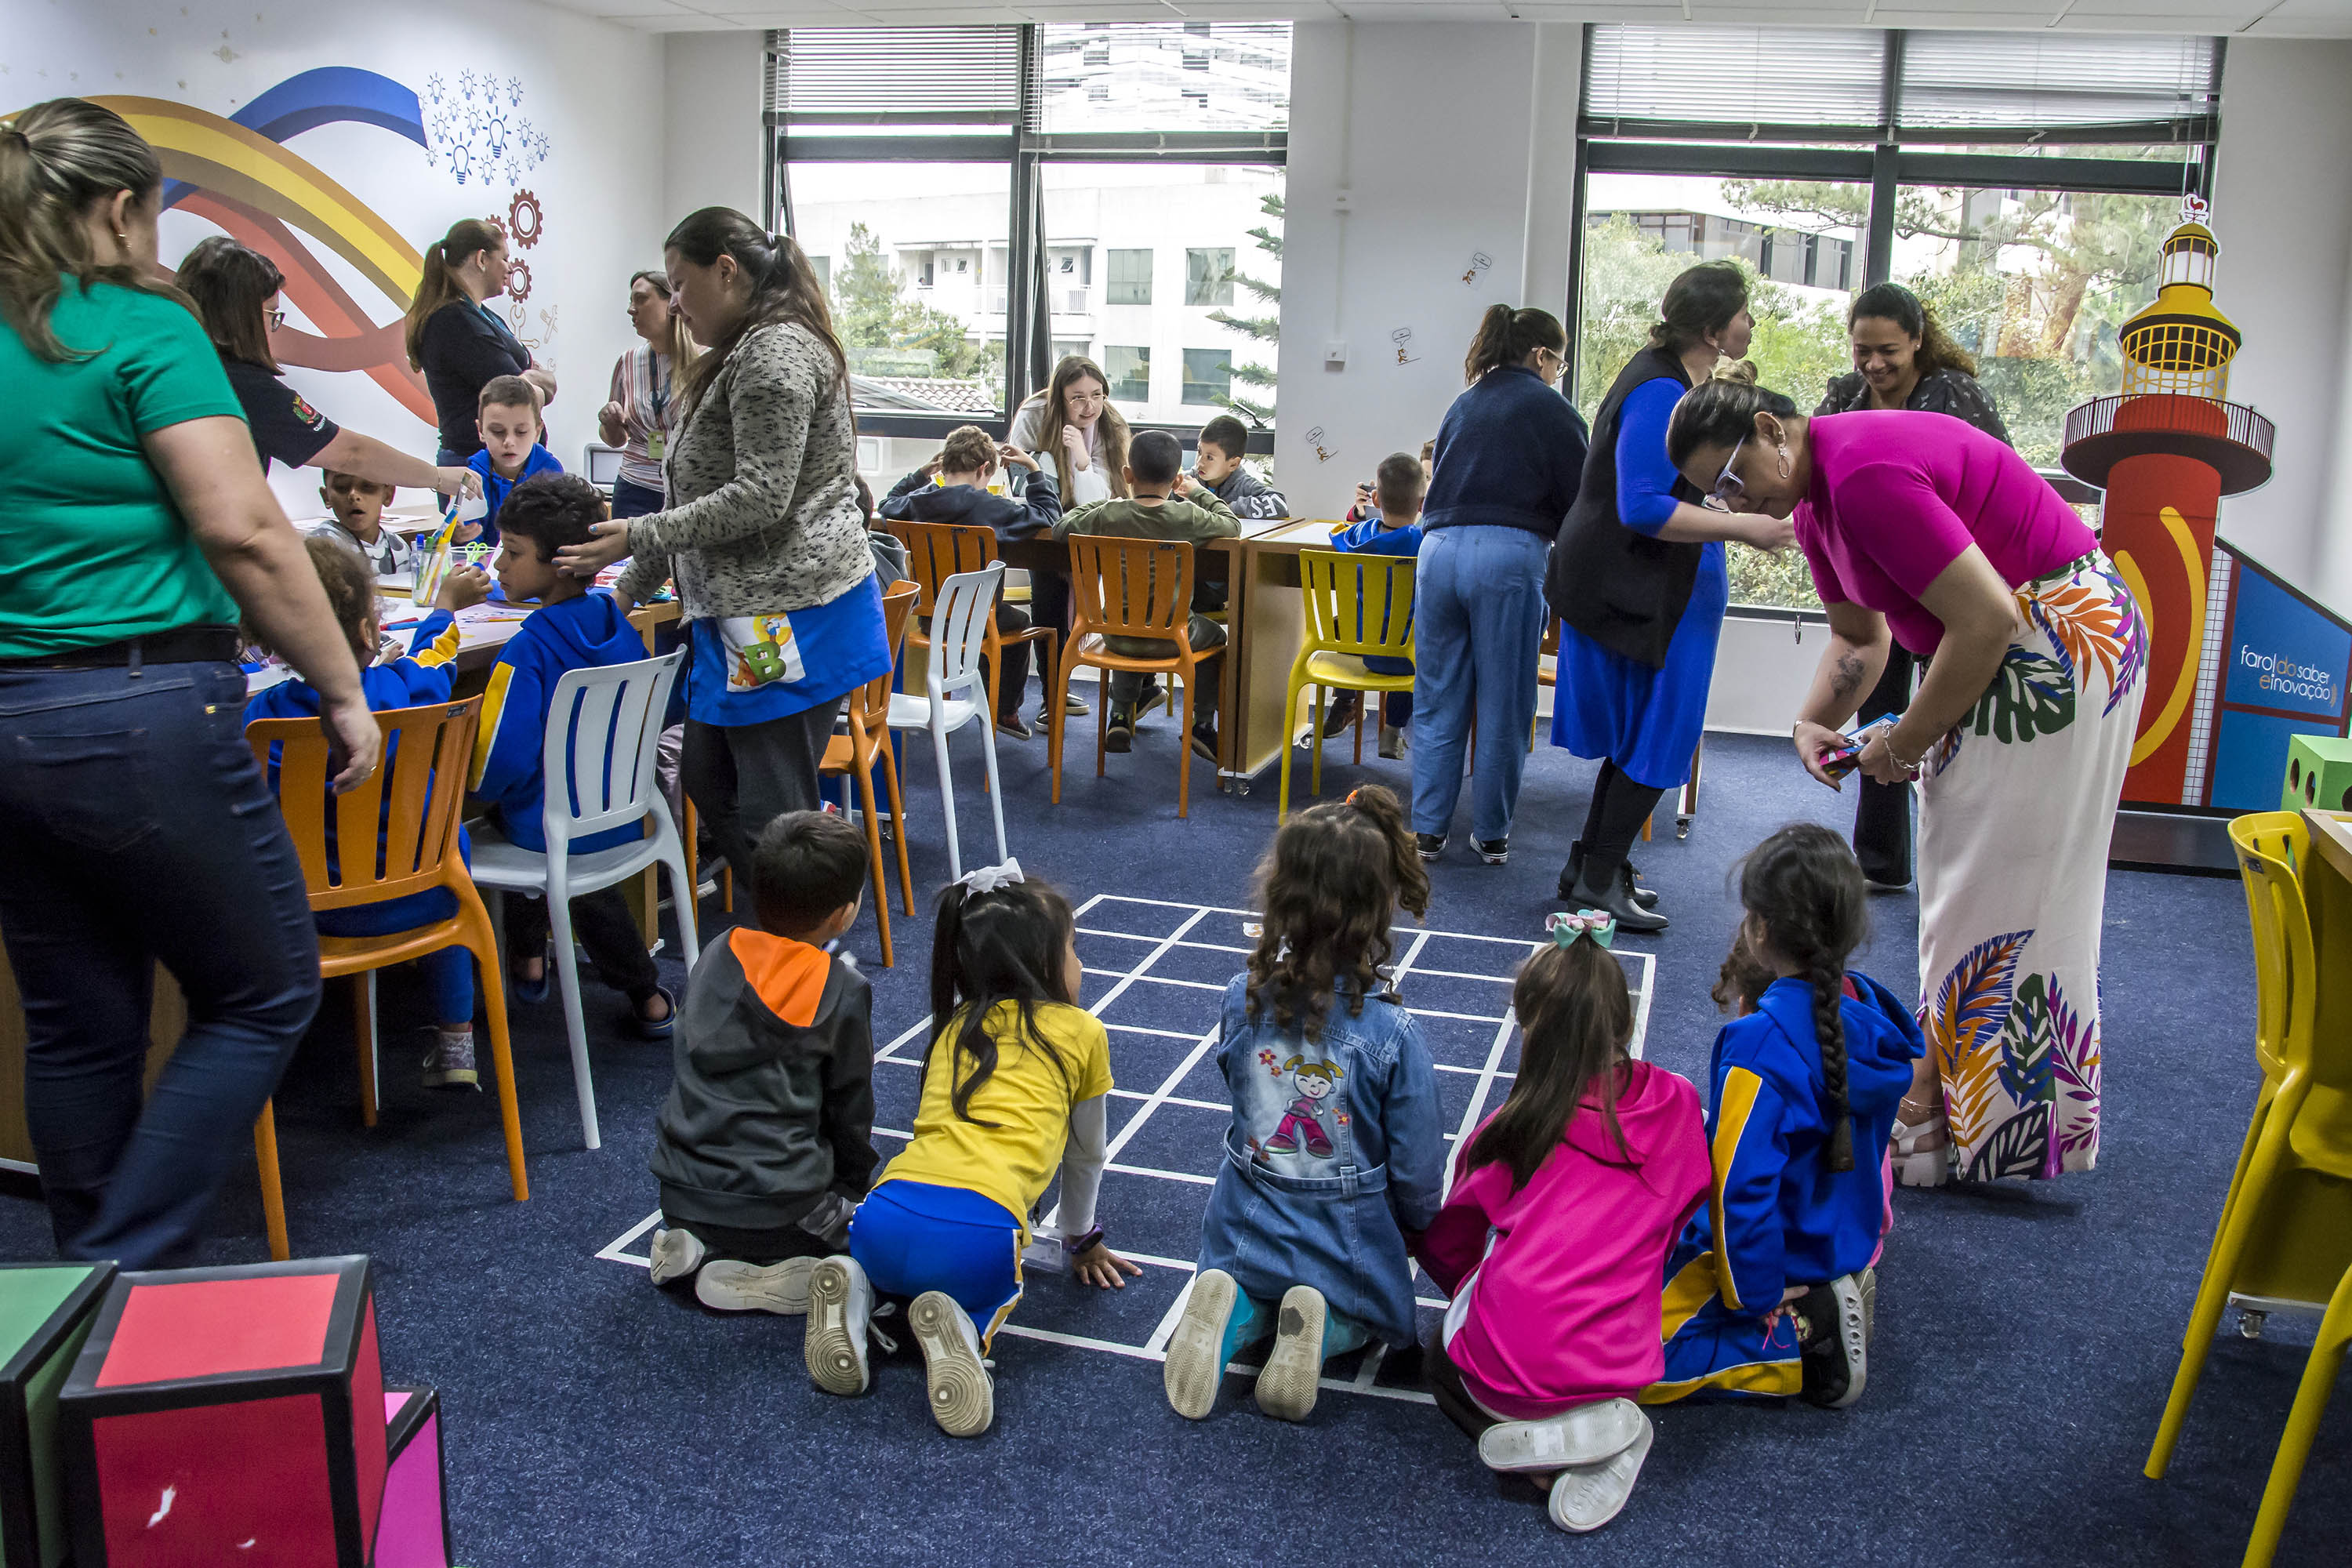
{"x":2286,"y":1224}
{"x":1356,"y":606}
{"x":409,"y":807}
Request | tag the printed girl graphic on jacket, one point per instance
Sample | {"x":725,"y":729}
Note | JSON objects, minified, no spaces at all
{"x":1302,"y":1125}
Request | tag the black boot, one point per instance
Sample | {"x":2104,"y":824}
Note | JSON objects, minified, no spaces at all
{"x":1611,"y":895}
{"x":1644,"y":897}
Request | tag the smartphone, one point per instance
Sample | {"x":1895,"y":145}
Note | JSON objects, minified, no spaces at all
{"x":1844,"y":760}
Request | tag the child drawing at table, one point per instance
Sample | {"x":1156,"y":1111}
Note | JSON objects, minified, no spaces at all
{"x":1334,"y":1157}
{"x":512,"y":452}
{"x":417,"y":676}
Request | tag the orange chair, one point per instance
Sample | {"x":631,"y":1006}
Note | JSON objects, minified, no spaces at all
{"x":426,"y":753}
{"x":868,"y":742}
{"x":937,"y":552}
{"x":1128,"y":588}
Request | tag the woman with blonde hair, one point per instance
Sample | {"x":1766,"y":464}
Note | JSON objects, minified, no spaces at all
{"x":641,"y":415}
{"x":457,"y":341}
{"x":139,"y":830}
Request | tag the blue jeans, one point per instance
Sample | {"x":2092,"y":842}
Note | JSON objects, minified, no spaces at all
{"x":141,"y":830}
{"x":1478,"y":634}
{"x":631,"y":500}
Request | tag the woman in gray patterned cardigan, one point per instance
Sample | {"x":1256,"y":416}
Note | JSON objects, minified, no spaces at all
{"x":762,"y":533}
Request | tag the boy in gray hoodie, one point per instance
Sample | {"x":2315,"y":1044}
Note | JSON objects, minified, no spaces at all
{"x":765,"y":1144}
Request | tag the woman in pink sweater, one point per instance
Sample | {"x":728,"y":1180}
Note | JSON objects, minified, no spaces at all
{"x":1553,"y":1240}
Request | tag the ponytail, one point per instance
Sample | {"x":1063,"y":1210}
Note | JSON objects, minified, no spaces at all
{"x":437,"y":284}
{"x":1576,"y":1018}
{"x":1702,"y":301}
{"x":1893,"y":302}
{"x":1804,"y":888}
{"x":59,"y":159}
{"x":784,"y":290}
{"x":1507,"y":337}
{"x":1719,"y":412}
{"x":1003,"y":945}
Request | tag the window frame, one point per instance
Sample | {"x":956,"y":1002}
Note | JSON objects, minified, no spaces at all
{"x":1012,"y":138}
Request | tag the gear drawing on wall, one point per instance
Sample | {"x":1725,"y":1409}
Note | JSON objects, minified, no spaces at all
{"x":518,"y":279}
{"x":525,"y":221}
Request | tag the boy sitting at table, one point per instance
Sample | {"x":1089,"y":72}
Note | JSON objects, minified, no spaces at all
{"x":574,"y":627}
{"x":1394,"y":528}
{"x":510,"y":452}
{"x":960,"y":496}
{"x":412,"y":679}
{"x":1154,"y":468}
{"x":357,"y":508}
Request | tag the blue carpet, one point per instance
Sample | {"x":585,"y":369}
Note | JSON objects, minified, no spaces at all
{"x":2026,"y":1336}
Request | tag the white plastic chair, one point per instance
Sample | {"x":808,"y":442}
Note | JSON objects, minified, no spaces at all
{"x":623,"y":703}
{"x":960,"y":619}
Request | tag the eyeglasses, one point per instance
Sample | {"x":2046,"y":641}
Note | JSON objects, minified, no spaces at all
{"x":275,"y":316}
{"x":1728,"y":487}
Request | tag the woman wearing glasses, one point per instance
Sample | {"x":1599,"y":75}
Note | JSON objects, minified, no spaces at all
{"x":236,"y":289}
{"x":1509,"y":454}
{"x":1638,"y":581}
{"x":1926,"y":527}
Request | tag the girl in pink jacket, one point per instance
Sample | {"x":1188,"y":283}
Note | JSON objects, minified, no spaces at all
{"x":1553,"y":1238}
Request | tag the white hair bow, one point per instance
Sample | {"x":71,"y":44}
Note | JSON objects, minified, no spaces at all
{"x":989,"y":879}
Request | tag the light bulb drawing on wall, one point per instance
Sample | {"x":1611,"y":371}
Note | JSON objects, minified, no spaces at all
{"x":1402,"y":337}
{"x":1314,"y":439}
{"x":1479,"y":262}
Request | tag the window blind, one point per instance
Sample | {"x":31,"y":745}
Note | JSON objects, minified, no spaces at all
{"x":904,"y":76}
{"x":1734,"y":77}
{"x":2054,"y":81}
{"x":1169,"y":76}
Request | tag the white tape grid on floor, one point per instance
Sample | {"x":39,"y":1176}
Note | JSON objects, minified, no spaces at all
{"x":1099,"y":940}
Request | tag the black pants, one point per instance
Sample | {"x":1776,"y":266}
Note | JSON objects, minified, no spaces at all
{"x":1614,"y":821}
{"x":741,"y":777}
{"x":601,"y":922}
{"x":1881,"y":811}
{"x":1049,"y":605}
{"x":1444,"y":1382}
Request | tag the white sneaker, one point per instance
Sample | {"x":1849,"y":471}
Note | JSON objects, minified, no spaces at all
{"x":964,"y":1399}
{"x":677,"y":1254}
{"x":1585,"y":1435}
{"x":730,"y":1285}
{"x":840,"y":1304}
{"x":1294,"y":1372}
{"x":1195,"y":1365}
{"x":1586,"y":1497}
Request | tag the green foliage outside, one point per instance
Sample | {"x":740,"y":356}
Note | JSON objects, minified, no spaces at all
{"x":887,"y":331}
{"x":1261,"y":328}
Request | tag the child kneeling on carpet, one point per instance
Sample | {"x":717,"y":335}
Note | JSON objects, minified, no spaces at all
{"x":1335,"y":1155}
{"x":415,"y":679}
{"x":1564,"y":1202}
{"x":765,"y":1144}
{"x":1767,"y":1292}
{"x":1014,"y":1081}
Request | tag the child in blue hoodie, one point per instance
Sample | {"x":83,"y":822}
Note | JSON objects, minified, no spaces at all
{"x":573,"y":628}
{"x":1768,"y":1293}
{"x":412,"y":679}
{"x":1400,"y":483}
{"x":511,"y":450}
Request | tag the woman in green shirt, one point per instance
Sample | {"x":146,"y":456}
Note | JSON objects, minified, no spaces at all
{"x":134,"y":526}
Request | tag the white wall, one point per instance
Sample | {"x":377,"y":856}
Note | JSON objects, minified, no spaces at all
{"x":2283,"y":213}
{"x":586,"y":84}
{"x":711,"y":136}
{"x":1434,"y":129}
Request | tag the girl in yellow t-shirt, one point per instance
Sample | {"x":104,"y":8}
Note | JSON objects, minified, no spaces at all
{"x":1014,"y":1082}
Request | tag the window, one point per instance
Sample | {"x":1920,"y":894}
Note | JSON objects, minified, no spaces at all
{"x":1208,"y":376}
{"x":823,"y":267}
{"x":1130,"y":277}
{"x":1208,"y":277}
{"x":1129,"y":370}
{"x":924,"y":141}
{"x":1064,"y":347}
{"x":2030,"y":250}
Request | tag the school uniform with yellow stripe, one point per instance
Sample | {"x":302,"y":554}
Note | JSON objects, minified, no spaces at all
{"x":1776,"y":1215}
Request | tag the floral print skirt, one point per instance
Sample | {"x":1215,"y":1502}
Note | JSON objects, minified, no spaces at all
{"x":2016,"y":809}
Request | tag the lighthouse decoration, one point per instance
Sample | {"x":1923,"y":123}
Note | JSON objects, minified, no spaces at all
{"x":2167,"y":448}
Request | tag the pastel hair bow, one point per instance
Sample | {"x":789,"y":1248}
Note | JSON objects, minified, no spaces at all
{"x":1597,"y":925}
{"x":989,"y":879}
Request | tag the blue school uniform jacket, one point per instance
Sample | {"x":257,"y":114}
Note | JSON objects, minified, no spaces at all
{"x":1778,"y":1215}
{"x":1334,"y":1155}
{"x":1369,"y":538}
{"x":494,"y":489}
{"x":571,"y":634}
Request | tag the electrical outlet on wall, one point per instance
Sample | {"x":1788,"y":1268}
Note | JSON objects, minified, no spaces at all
{"x":1335,"y":355}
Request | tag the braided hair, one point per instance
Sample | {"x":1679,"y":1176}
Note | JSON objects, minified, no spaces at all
{"x":1804,"y":888}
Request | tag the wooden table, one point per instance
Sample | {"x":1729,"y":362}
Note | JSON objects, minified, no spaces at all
{"x":1274,"y":615}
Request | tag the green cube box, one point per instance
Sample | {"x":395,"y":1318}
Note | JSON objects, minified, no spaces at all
{"x":46,"y":1313}
{"x":2319,"y":774}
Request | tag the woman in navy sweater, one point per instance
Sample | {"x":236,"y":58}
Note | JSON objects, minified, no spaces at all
{"x":1509,"y":454}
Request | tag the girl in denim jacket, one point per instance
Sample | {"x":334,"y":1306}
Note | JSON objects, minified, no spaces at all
{"x":1335,"y":1156}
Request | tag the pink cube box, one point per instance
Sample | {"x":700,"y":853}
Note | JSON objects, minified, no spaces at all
{"x":228,"y":1416}
{"x":415,"y":1532}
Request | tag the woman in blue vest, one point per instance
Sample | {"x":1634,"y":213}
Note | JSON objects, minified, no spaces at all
{"x":1637,"y":578}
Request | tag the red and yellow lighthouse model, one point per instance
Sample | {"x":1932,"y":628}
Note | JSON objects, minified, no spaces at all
{"x":2167,"y":448}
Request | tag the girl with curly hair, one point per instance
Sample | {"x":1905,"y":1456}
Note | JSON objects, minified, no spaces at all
{"x":1335,"y":1155}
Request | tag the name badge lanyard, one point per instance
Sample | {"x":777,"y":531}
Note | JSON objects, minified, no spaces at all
{"x":657,"y":442}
